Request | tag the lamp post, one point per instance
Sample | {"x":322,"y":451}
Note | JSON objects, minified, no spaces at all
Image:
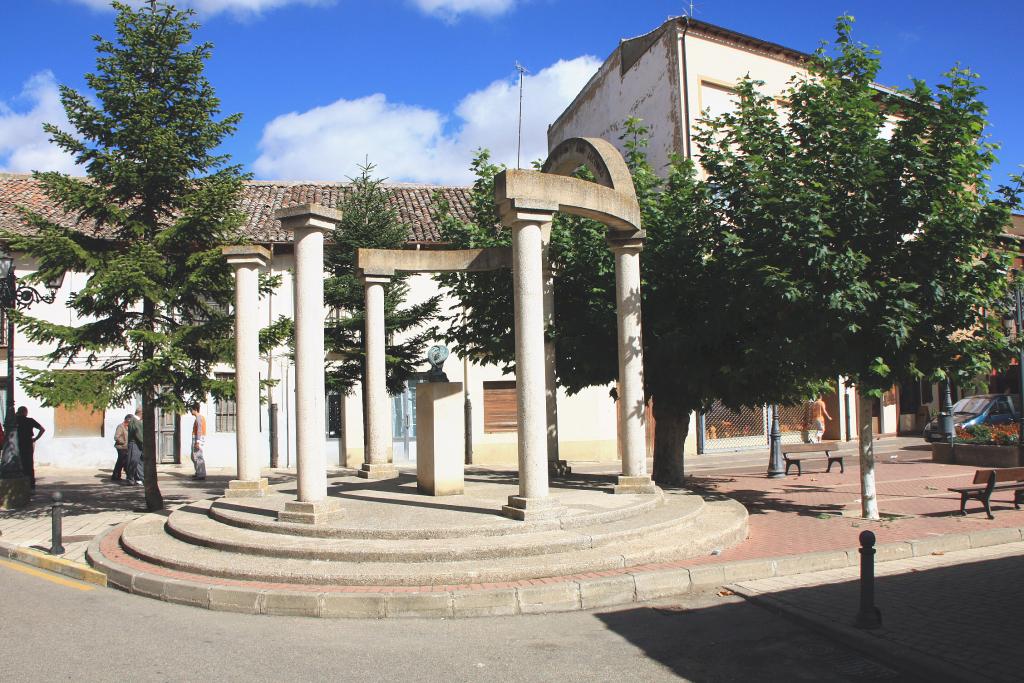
{"x":20,"y":296}
{"x":775,"y":468}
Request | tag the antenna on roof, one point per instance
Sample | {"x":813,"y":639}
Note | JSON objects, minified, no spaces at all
{"x":690,"y":13}
{"x":519,"y":142}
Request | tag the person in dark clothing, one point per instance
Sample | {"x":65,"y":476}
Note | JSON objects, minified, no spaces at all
{"x":27,"y":437}
{"x":134,"y":469}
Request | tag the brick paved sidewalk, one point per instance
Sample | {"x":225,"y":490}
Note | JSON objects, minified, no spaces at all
{"x":952,"y":616}
{"x":818,"y":511}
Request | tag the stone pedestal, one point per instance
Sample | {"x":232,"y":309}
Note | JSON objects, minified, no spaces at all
{"x":311,"y":512}
{"x":440,"y":436}
{"x":528,"y":509}
{"x":642,"y":484}
{"x":15,"y":492}
{"x":247,"y":488}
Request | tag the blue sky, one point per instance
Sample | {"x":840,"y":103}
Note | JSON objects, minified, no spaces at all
{"x":416,"y":85}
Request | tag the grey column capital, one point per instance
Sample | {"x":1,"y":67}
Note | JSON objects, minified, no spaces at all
{"x":309,"y":216}
{"x":518,"y":212}
{"x":625,"y":244}
{"x":375,"y":280}
{"x":239,"y":255}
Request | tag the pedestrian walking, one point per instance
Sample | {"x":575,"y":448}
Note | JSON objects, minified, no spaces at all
{"x":121,"y":446}
{"x":29,"y":432}
{"x":198,"y":442}
{"x":815,"y":414}
{"x":135,"y":440}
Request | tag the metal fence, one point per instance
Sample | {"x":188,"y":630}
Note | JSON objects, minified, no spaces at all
{"x":722,"y":429}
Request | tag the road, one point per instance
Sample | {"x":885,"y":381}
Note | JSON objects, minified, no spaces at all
{"x":58,"y":629}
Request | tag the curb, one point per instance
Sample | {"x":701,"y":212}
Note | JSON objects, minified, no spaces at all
{"x":552,"y":594}
{"x":52,"y":563}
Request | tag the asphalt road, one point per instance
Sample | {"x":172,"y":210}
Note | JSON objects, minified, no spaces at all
{"x":57,"y":629}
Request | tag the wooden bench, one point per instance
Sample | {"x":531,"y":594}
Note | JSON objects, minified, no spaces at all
{"x":826,"y":449}
{"x":986,"y":482}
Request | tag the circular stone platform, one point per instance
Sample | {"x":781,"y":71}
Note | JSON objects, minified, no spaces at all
{"x":434,"y":552}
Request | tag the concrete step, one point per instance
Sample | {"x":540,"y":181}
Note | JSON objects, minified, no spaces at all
{"x":718,"y":524}
{"x":261,"y":515}
{"x":192,"y":524}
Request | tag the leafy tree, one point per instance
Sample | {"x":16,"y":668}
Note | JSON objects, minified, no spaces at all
{"x":887,"y":248}
{"x":371,"y":222}
{"x":154,"y":211}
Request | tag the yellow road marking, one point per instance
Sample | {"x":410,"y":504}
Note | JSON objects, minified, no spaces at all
{"x":32,"y":571}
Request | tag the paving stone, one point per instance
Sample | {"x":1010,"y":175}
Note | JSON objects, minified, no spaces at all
{"x":609,"y":590}
{"x":811,"y":562}
{"x":292,"y":603}
{"x":551,"y":597}
{"x":485,"y":603}
{"x":661,"y":584}
{"x":231,"y":599}
{"x":419,"y":604}
{"x":353,"y":605}
{"x":186,"y":593}
{"x":980,"y":539}
{"x":941,"y":544}
{"x":148,"y":585}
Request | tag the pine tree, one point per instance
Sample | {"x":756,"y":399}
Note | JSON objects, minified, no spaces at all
{"x":154,"y":211}
{"x":370,"y":222}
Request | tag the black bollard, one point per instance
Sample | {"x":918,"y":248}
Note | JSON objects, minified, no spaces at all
{"x":869,"y":616}
{"x":56,"y":547}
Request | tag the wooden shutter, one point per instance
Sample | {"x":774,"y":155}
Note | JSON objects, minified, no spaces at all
{"x":500,"y":411}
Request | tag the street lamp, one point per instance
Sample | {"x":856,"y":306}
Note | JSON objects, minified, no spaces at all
{"x":20,"y":296}
{"x":776,"y":470}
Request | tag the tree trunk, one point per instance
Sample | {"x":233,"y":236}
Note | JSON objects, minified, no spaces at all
{"x":672,"y":422}
{"x":154,"y":500}
{"x":869,"y":502}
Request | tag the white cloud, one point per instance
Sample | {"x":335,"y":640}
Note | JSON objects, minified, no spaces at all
{"x":415,"y":144}
{"x":211,"y":7}
{"x":24,"y":146}
{"x":452,"y":9}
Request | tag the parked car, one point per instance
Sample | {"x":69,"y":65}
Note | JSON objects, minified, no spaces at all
{"x":990,"y":409}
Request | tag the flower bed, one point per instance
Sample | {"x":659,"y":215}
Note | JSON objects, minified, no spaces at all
{"x":995,"y":435}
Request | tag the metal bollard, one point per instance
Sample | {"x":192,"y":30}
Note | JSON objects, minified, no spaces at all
{"x":869,"y":616}
{"x":56,"y":547}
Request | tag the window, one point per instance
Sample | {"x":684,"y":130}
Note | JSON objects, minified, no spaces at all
{"x":226,"y":409}
{"x":500,"y":411}
{"x":716,"y":99}
{"x":77,"y":421}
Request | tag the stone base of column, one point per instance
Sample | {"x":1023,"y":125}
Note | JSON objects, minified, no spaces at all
{"x":316,"y":512}
{"x":636,"y":485}
{"x":529,"y":509}
{"x":559,"y":468}
{"x":375,"y":471}
{"x":244,"y":488}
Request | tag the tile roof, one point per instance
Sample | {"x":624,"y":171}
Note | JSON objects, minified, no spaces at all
{"x":259,"y":202}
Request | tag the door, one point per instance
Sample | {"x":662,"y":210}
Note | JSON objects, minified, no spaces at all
{"x":403,"y":423}
{"x":167,"y":438}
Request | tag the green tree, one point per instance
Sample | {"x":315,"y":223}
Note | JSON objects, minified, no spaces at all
{"x":154,"y":211}
{"x":887,"y":247}
{"x":370,"y":221}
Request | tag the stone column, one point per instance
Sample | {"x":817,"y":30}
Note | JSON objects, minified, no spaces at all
{"x":309,"y":223}
{"x":556,"y":466}
{"x":377,"y":405}
{"x":533,"y":501}
{"x":632,"y":416}
{"x":247,"y":261}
